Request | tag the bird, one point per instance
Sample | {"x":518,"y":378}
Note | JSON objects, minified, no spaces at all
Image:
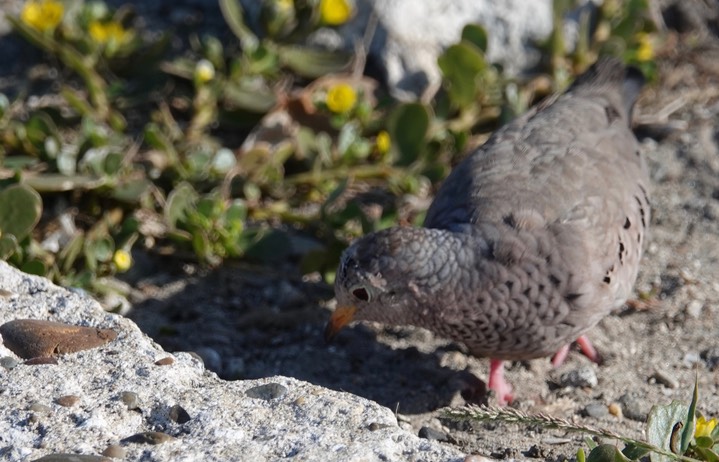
{"x":531,"y":240}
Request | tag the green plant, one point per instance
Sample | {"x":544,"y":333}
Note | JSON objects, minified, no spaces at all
{"x":674,"y":432}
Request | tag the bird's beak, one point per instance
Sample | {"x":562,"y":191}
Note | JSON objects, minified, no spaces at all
{"x":340,"y":318}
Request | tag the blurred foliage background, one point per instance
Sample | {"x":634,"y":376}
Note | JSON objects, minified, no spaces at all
{"x":231,"y":149}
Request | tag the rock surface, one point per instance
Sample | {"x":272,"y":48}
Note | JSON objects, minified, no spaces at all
{"x":255,"y":420}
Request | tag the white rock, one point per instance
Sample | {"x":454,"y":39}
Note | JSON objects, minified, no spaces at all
{"x":307,"y":421}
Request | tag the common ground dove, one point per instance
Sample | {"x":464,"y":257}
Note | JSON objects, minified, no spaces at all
{"x":530,"y":241}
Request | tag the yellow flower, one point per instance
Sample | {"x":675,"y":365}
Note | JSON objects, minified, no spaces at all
{"x":204,"y":71}
{"x":335,"y":12}
{"x":383,"y":142}
{"x":122,"y":260}
{"x":645,"y":50}
{"x":704,"y":427}
{"x":341,"y":98}
{"x":110,"y":32}
{"x":42,"y":15}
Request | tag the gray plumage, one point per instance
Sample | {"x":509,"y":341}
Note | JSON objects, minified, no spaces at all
{"x":530,"y":241}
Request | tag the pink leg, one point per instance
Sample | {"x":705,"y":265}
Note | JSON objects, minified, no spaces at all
{"x":560,"y":356}
{"x":497,"y":383}
{"x":584,"y":344}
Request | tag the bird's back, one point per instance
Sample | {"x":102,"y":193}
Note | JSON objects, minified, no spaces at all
{"x":560,"y":196}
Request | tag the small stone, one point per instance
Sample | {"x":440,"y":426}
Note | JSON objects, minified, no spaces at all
{"x":665,"y":378}
{"x":166,"y":361}
{"x":711,"y":357}
{"x":633,"y":407}
{"x":148,"y":438}
{"x":66,"y":457}
{"x":596,"y":410}
{"x":33,"y":338}
{"x":615,"y":410}
{"x":115,"y":451}
{"x":40,"y":408}
{"x":67,"y":400}
{"x":691,"y":358}
{"x":694,"y":308}
{"x":374,"y":426}
{"x":8,"y":362}
{"x":210,"y":357}
{"x":267,"y":391}
{"x":40,"y":361}
{"x":579,"y":378}
{"x":179,"y":414}
{"x":432,"y":434}
{"x":476,"y":458}
{"x":131,"y":399}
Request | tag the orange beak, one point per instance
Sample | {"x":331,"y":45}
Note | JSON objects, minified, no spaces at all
{"x":340,"y":318}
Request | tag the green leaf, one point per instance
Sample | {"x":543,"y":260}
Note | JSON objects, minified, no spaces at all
{"x":705,"y":441}
{"x":181,"y":200}
{"x":408,"y":127}
{"x":476,"y":35}
{"x":661,"y":424}
{"x":234,"y":17}
{"x":606,"y":453}
{"x":313,"y":62}
{"x":34,"y":267}
{"x":50,"y":182}
{"x":690,"y":424}
{"x":707,"y":454}
{"x":20,"y":210}
{"x":635,"y":452}
{"x":8,"y":246}
{"x":461,"y":65}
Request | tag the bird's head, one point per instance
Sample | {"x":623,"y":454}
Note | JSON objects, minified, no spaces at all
{"x":388,"y":276}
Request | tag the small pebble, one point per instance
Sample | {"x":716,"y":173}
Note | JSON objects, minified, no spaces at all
{"x":476,"y":458}
{"x":166,"y":361}
{"x":267,"y":391}
{"x":67,"y":400}
{"x":432,"y":434}
{"x":300,"y":401}
{"x":33,"y":338}
{"x":210,"y":357}
{"x":615,"y":410}
{"x":691,"y":358}
{"x":179,"y":414}
{"x":694,"y":308}
{"x":665,"y":378}
{"x":65,"y":457}
{"x":40,"y":360}
{"x":579,"y":378}
{"x":115,"y":451}
{"x":374,"y":426}
{"x":131,"y":400}
{"x":596,"y":410}
{"x":633,"y":407}
{"x":148,"y":438}
{"x":40,"y":408}
{"x":711,"y":357}
{"x":9,"y":362}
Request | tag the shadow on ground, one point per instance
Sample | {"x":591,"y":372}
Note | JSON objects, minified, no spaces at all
{"x":248,"y":323}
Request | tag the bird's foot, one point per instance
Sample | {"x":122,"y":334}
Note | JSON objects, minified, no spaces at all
{"x":501,"y":387}
{"x":584,"y":345}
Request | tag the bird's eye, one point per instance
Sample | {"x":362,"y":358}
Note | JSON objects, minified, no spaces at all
{"x":361,"y":294}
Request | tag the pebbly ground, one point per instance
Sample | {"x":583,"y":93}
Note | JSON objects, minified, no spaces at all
{"x":252,"y":322}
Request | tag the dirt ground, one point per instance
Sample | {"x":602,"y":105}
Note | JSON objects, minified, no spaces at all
{"x":249,"y":322}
